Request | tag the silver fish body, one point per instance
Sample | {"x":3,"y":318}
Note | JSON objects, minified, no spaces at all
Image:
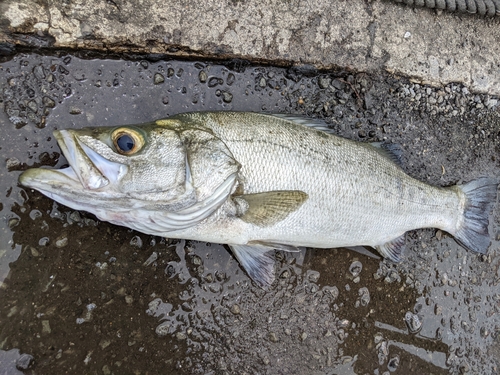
{"x":257,"y":182}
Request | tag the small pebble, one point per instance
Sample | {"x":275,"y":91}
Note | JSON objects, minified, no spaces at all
{"x":24,"y":362}
{"x":235,"y":309}
{"x":61,"y":241}
{"x":158,"y":78}
{"x":75,"y":111}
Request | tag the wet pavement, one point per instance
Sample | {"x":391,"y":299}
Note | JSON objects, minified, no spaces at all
{"x":79,"y":295}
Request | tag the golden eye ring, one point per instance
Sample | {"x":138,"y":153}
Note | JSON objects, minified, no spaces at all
{"x":127,"y":141}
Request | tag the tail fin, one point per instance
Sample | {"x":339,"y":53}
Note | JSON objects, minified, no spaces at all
{"x":480,"y":196}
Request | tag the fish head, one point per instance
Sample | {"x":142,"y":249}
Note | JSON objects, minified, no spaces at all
{"x":115,"y":169}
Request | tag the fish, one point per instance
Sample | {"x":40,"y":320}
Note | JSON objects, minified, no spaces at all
{"x":257,"y":182}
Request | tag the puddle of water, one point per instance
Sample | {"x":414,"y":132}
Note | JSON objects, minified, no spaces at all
{"x":81,"y":294}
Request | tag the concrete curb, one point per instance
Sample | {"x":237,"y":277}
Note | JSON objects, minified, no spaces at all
{"x":370,"y":36}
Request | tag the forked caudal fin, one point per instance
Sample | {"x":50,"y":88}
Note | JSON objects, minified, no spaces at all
{"x":480,"y":196}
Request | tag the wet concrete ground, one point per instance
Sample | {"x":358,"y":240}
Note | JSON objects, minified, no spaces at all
{"x":79,"y":295}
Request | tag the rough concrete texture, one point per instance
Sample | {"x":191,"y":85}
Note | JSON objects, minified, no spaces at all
{"x":361,"y":35}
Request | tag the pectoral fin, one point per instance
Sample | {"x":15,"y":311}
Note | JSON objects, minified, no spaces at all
{"x":269,"y":208}
{"x":393,"y":249}
{"x":257,"y":262}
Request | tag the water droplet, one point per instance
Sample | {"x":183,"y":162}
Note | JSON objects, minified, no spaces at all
{"x":63,"y":70}
{"x":44,"y":241}
{"x":170,"y":270}
{"x":33,"y":106}
{"x":170,"y":72}
{"x":331,"y":291}
{"x":13,"y":222}
{"x":35,"y":214}
{"x":230,"y":79}
{"x":393,"y":363}
{"x":312,"y":276}
{"x":144,"y":64}
{"x":344,"y":323}
{"x":180,"y":336}
{"x":364,"y":296}
{"x":413,"y":322}
{"x":439,"y":333}
{"x":39,"y":72}
{"x":220,"y":276}
{"x":355,"y":268}
{"x":227,"y":97}
{"x":163,"y":329}
{"x":197,"y":260}
{"x":214,"y":81}
{"x":484,"y":332}
{"x":136,"y":241}
{"x":285,"y":274}
{"x":74,"y":217}
{"x":165,"y":100}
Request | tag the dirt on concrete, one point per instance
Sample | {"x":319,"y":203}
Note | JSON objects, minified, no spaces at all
{"x":79,"y":295}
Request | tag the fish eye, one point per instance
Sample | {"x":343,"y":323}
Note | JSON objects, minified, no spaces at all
{"x":127,"y":141}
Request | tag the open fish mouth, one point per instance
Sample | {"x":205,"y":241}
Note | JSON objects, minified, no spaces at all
{"x":87,"y":169}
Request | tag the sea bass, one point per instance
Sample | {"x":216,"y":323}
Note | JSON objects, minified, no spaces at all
{"x":257,"y":182}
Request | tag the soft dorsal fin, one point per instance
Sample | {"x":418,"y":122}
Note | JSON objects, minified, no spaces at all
{"x":268,"y":208}
{"x":393,"y":249}
{"x":309,"y":122}
{"x":391,"y":151}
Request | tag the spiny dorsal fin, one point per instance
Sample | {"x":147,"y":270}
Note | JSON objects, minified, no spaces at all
{"x":256,"y":261}
{"x":269,"y":208}
{"x":393,"y":249}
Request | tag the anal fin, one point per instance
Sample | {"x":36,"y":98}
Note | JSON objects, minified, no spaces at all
{"x":257,"y":262}
{"x":393,"y":249}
